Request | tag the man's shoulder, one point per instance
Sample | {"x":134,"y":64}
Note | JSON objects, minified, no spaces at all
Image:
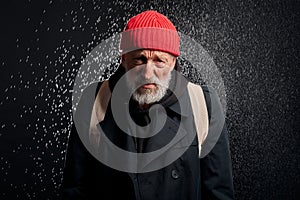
{"x":209,"y":90}
{"x":210,"y":94}
{"x":212,"y":100}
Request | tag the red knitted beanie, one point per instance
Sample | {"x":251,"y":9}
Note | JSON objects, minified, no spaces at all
{"x":150,"y":30}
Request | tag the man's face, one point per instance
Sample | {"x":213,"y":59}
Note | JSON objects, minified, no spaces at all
{"x":149,"y":72}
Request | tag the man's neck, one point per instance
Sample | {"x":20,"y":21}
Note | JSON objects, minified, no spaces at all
{"x":144,"y":106}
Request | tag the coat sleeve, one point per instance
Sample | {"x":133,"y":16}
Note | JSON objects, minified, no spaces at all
{"x":76,"y":169}
{"x":215,"y":162}
{"x":79,"y":162}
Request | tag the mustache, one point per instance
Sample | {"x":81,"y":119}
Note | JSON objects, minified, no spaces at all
{"x":141,"y":81}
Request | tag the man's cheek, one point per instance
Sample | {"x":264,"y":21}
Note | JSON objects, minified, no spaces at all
{"x":164,"y":74}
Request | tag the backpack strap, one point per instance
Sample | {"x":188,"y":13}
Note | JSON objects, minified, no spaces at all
{"x":98,"y":112}
{"x":199,"y":112}
{"x":198,"y":106}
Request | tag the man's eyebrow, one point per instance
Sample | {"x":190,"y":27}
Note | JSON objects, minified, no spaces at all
{"x":135,"y":56}
{"x":141,"y":55}
{"x":160,"y":56}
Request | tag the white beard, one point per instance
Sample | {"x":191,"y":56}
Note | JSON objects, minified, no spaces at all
{"x":148,"y":96}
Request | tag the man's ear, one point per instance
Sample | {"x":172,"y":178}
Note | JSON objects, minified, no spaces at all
{"x":173,"y":62}
{"x":123,"y":60}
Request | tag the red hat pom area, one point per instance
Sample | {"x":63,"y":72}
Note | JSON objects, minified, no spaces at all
{"x":150,"y":30}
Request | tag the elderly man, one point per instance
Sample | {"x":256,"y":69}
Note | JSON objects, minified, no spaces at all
{"x":150,"y":46}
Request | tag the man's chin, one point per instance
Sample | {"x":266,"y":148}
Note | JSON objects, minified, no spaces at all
{"x":142,"y":90}
{"x":148,"y":96}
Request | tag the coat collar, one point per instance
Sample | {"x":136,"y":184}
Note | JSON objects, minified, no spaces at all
{"x":182,"y":106}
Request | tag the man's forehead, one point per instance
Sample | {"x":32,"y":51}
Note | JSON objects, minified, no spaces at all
{"x":149,"y":52}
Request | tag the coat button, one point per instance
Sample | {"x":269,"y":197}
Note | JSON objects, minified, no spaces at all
{"x":175,"y":174}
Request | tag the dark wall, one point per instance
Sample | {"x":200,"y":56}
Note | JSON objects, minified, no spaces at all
{"x":255,"y":46}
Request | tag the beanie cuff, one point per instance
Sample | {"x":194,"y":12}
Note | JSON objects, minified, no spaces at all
{"x":160,"y":39}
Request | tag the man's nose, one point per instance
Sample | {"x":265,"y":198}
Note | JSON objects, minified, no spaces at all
{"x":148,"y":70}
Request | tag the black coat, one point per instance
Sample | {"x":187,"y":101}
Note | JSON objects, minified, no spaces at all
{"x":188,"y":177}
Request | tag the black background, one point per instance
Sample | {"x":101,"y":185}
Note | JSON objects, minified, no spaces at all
{"x":255,"y":45}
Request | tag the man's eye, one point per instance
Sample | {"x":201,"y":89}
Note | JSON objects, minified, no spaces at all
{"x":138,"y":61}
{"x":160,"y":64}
